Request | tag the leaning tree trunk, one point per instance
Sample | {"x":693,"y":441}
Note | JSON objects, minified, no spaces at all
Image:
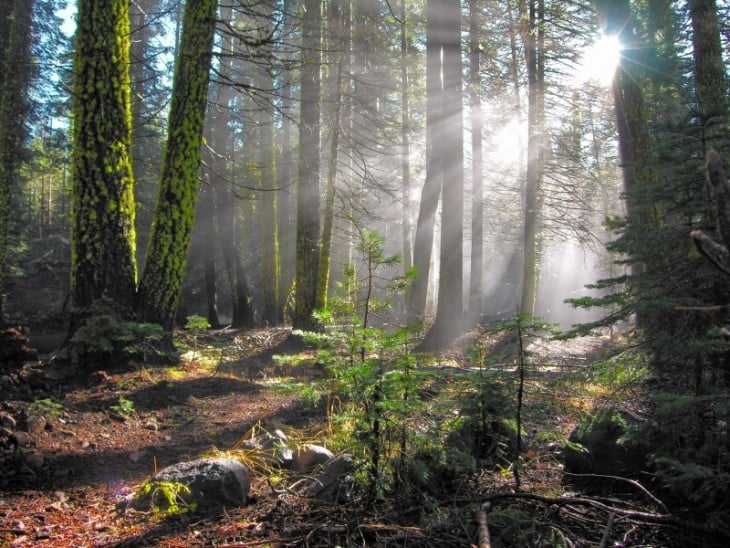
{"x":175,"y":211}
{"x":425,"y":225}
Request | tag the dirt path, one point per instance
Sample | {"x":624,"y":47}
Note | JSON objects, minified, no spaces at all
{"x":80,"y":444}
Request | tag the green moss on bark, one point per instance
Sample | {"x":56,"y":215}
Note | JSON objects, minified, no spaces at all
{"x":175,"y":210}
{"x":103,"y":207}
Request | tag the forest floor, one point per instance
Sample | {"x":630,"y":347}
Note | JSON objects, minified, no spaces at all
{"x":89,"y":440}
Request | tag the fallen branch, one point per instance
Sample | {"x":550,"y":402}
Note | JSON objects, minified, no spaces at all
{"x":607,"y":532}
{"x":482,"y":528}
{"x":646,"y":517}
{"x":626,"y":480}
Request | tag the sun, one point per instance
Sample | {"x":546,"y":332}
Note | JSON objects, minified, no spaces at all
{"x":599,"y":61}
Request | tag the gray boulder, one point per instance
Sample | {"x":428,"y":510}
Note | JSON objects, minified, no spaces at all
{"x":195,"y":484}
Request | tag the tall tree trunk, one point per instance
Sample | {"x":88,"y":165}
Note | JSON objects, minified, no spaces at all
{"x":451,"y":274}
{"x":175,"y":211}
{"x":710,"y":77}
{"x":334,"y":92}
{"x":425,"y":225}
{"x":271,"y":309}
{"x":405,"y":165}
{"x":533,"y":34}
{"x":102,"y":222}
{"x":631,"y":124}
{"x":227,"y":199}
{"x":15,"y":57}
{"x":146,"y":135}
{"x":308,"y":202}
{"x":285,"y":162}
{"x":476,"y":296}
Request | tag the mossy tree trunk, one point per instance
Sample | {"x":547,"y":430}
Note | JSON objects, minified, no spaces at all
{"x":308,"y":191}
{"x":103,"y":208}
{"x":15,"y":24}
{"x":175,"y":210}
{"x":336,"y":40}
{"x":271,"y":308}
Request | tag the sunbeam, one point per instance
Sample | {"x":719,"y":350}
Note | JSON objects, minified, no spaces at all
{"x":599,"y":60}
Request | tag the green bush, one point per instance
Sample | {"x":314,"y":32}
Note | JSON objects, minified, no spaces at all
{"x":105,"y":341}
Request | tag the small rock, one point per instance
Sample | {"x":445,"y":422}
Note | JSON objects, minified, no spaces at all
{"x":8,"y":421}
{"x":309,"y":456}
{"x":333,"y":482}
{"x":21,"y":439}
{"x":26,"y":472}
{"x":34,"y":460}
{"x":136,"y":456}
{"x":36,"y":424}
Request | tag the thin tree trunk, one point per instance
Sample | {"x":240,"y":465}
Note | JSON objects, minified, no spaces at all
{"x":325,"y":256}
{"x":476,"y":296}
{"x":405,"y":165}
{"x":533,"y":34}
{"x":425,"y":226}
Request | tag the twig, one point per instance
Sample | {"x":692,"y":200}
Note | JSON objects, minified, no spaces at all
{"x":607,"y":531}
{"x":646,"y":517}
{"x":714,"y":308}
{"x":627,"y":480}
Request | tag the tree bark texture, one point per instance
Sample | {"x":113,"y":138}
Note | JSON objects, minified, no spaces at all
{"x":451,"y":272}
{"x":710,"y":78}
{"x":308,"y":191}
{"x":175,"y":211}
{"x":103,"y":207}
